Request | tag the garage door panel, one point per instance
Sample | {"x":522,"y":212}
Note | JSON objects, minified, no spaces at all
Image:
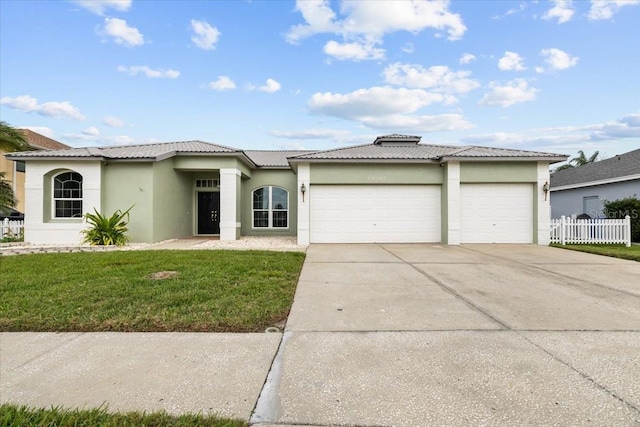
{"x":496,"y":213}
{"x":375,"y":213}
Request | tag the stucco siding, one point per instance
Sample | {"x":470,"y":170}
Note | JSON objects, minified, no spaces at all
{"x":204,"y":163}
{"x":173,"y":193}
{"x":274,"y":177}
{"x":571,"y":202}
{"x":131,"y":184}
{"x":498,"y":172}
{"x":395,"y":173}
{"x":40,"y":225}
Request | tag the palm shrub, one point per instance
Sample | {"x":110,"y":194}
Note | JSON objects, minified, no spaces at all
{"x":107,"y":230}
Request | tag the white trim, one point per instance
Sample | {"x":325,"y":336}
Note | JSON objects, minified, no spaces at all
{"x":594,"y":183}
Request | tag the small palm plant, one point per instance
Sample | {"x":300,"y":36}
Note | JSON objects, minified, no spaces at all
{"x":107,"y":230}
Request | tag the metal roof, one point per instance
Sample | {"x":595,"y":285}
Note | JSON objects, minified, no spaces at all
{"x":276,"y":159}
{"x":614,"y":169}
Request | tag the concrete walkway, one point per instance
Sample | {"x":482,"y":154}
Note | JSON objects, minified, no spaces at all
{"x":380,"y":335}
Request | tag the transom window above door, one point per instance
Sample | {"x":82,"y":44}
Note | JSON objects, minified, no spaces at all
{"x":270,"y":207}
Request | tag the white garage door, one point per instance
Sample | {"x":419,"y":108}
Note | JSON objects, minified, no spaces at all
{"x":496,"y":213}
{"x":375,"y":213}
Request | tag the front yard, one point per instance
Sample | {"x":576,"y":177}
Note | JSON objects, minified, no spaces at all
{"x":144,"y":291}
{"x":617,"y":251}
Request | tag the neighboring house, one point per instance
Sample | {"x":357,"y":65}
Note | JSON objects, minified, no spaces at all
{"x":394,"y":190}
{"x":14,"y":170}
{"x":584,"y":189}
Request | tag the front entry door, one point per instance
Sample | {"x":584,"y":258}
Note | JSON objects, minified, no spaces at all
{"x":208,"y":212}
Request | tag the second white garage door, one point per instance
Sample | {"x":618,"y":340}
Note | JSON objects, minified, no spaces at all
{"x":496,"y":213}
{"x":375,"y":213}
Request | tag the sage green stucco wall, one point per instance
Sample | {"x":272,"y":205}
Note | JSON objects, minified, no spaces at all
{"x":127,"y":184}
{"x":204,"y":163}
{"x":279,"y":178}
{"x":172,"y":202}
{"x":391,"y":173}
{"x":496,"y":172}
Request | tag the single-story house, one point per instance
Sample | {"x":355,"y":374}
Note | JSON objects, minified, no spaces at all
{"x":394,"y":190}
{"x":584,"y":189}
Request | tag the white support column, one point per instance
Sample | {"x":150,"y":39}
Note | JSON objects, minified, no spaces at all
{"x":453,"y":203}
{"x":544,"y":205}
{"x":304,"y":174}
{"x":228,"y":203}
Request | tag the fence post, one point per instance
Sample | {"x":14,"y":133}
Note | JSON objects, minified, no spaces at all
{"x":627,"y":230}
{"x":5,"y":226}
{"x":562,"y":230}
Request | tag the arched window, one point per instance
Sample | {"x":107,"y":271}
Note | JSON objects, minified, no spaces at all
{"x":270,"y":207}
{"x":67,"y":195}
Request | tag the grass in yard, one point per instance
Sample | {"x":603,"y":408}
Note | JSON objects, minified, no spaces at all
{"x":213,"y":291}
{"x":617,"y":251}
{"x":12,"y":415}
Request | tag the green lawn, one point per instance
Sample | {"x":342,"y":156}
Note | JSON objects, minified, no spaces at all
{"x":213,"y":291}
{"x":617,"y":251}
{"x":12,"y":415}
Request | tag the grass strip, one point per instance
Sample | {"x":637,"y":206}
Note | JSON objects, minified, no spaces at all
{"x":13,"y":415}
{"x":199,"y":291}
{"x":616,"y":251}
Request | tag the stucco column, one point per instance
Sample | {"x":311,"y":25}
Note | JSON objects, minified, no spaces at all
{"x":453,"y":203}
{"x":229,"y":226}
{"x":303,"y":206}
{"x":544,"y":206}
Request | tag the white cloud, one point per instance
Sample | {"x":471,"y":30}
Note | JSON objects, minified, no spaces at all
{"x":626,"y":127}
{"x":354,"y":51}
{"x":605,"y":9}
{"x":204,"y":35}
{"x":30,"y":104}
{"x":512,"y":11}
{"x":408,"y":48}
{"x":270,"y":86}
{"x":386,"y":108}
{"x":514,"y":92}
{"x":113,"y":122}
{"x":99,"y":7}
{"x":91,"y":131}
{"x":363,"y":24}
{"x":511,"y":61}
{"x":438,"y":78}
{"x":467,"y":58}
{"x":122,"y":33}
{"x":558,"y":59}
{"x":562,"y":11}
{"x":159,"y":73}
{"x":338,"y":136}
{"x":222,"y":83}
{"x":99,"y":140}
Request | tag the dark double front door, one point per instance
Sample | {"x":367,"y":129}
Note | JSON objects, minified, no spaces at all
{"x":208,"y":212}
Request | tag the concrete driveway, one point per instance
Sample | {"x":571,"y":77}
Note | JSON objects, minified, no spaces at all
{"x":410,"y":335}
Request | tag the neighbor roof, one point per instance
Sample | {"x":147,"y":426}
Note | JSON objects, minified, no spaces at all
{"x":41,"y":142}
{"x":617,"y":168}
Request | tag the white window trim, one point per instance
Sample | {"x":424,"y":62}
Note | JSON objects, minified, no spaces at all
{"x":54,"y":199}
{"x":270,"y":210}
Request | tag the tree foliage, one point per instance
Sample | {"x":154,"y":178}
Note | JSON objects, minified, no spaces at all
{"x":7,"y":197}
{"x":107,"y":230}
{"x":11,"y":139}
{"x":621,"y":208}
{"x":580,"y":160}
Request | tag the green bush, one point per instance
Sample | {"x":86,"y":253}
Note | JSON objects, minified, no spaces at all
{"x":107,"y":230}
{"x":621,"y":208}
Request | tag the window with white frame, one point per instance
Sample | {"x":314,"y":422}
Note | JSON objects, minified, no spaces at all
{"x":270,"y":207}
{"x":67,"y":195}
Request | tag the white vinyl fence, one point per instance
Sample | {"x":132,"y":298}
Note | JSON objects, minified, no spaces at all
{"x":10,"y":228}
{"x":590,"y":231}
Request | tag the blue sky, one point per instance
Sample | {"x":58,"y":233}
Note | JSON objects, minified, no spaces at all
{"x":556,"y":76}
